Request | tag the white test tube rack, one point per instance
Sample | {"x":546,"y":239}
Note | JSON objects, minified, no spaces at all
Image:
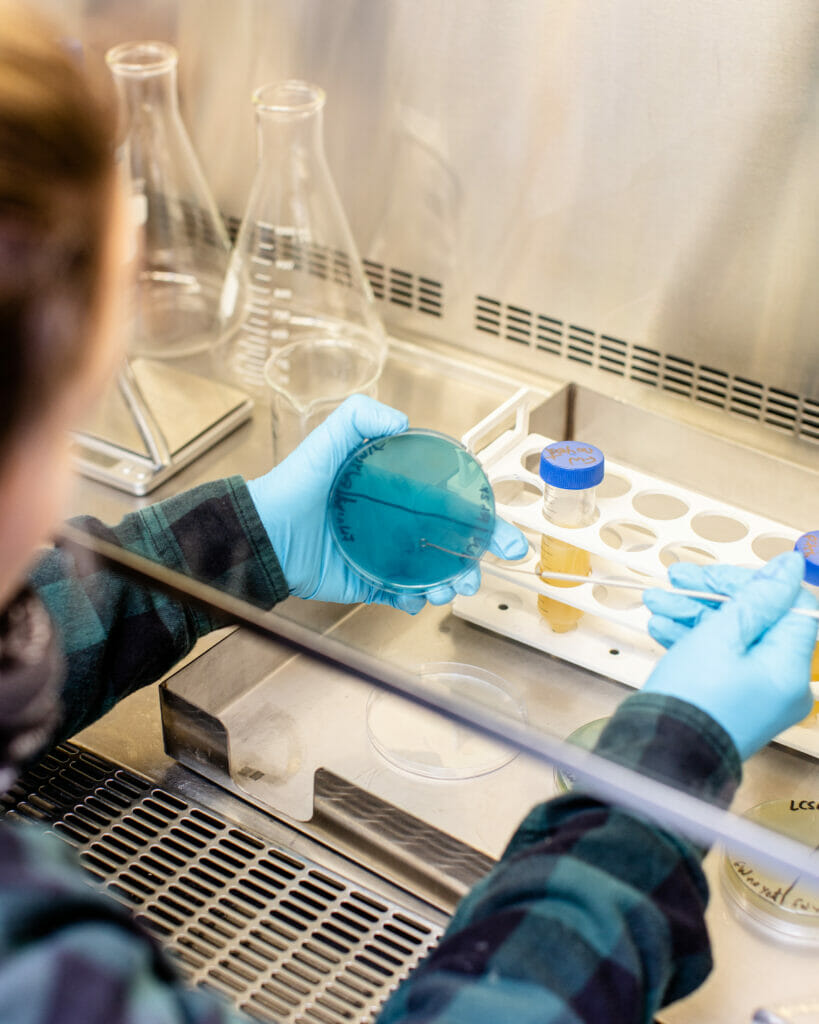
{"x":644,"y":524}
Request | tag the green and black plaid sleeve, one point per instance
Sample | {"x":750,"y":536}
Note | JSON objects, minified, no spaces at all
{"x":70,"y":955}
{"x":591,"y":915}
{"x":117,"y":636}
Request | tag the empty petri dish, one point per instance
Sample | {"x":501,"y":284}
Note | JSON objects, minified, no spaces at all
{"x":411,"y":511}
{"x":424,"y":742}
{"x":782,"y":906}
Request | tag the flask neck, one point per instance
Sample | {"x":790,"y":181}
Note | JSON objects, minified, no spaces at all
{"x":145,"y":77}
{"x":290,"y":123}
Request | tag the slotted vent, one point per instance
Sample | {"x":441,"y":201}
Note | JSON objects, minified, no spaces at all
{"x":401,"y":288}
{"x":280,"y":936}
{"x":707,"y":385}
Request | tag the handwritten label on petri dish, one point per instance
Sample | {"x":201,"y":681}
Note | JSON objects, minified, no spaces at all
{"x":794,"y":897}
{"x":788,"y":896}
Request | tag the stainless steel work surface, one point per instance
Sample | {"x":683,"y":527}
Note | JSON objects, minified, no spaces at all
{"x":261,"y":698}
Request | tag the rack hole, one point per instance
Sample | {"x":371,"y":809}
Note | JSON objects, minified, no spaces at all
{"x":613,"y":486}
{"x":616,"y":598}
{"x":515,"y":492}
{"x":717,"y":527}
{"x":768,"y":546}
{"x":626,"y":536}
{"x":531,"y":461}
{"x":533,"y":541}
{"x":658,"y":505}
{"x":685,"y":553}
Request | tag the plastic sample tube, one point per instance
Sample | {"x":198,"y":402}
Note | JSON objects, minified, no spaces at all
{"x":571,"y":471}
{"x":808,"y":545}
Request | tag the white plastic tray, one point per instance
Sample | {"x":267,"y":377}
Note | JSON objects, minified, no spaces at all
{"x":644,"y":525}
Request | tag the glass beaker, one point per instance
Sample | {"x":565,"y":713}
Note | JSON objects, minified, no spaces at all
{"x":294,"y":272}
{"x":310,"y":378}
{"x":183,"y":245}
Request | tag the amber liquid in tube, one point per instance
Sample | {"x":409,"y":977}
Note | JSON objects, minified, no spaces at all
{"x":562,"y":557}
{"x":569,"y":509}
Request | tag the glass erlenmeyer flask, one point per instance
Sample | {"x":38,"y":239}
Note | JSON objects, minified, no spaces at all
{"x":294,"y":273}
{"x":183,"y":246}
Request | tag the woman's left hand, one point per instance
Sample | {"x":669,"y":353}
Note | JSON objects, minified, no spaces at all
{"x":292,"y":504}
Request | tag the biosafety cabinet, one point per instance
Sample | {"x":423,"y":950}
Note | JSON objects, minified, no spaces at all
{"x":583,"y":221}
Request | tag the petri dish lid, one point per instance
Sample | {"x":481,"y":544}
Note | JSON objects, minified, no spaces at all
{"x":782,"y":907}
{"x":411,"y":511}
{"x":423,"y":742}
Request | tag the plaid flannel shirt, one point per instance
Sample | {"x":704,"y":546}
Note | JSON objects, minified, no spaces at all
{"x":590,"y":915}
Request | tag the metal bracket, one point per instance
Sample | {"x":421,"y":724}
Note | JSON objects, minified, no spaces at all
{"x":156,"y":421}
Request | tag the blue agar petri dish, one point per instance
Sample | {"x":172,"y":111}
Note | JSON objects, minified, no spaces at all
{"x":411,"y":511}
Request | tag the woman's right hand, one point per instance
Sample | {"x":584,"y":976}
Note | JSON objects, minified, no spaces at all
{"x":745,"y":662}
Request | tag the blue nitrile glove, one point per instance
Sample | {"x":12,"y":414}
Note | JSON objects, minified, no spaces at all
{"x":745,"y":662}
{"x":292,"y":504}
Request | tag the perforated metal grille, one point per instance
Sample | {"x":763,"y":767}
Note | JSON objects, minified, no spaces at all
{"x":283,"y":938}
{"x":780,"y":410}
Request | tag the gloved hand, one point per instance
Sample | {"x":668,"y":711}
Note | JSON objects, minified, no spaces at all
{"x":292,"y":504}
{"x":745,"y":662}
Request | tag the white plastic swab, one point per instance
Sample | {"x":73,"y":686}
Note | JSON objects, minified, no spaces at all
{"x":529,"y":581}
{"x":526,"y":579}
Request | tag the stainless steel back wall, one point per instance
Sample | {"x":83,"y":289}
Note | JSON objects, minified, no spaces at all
{"x":628,"y":184}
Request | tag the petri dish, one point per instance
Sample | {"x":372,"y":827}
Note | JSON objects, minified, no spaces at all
{"x":425,"y":743}
{"x":782,"y":907}
{"x":585,"y":737}
{"x":411,"y":511}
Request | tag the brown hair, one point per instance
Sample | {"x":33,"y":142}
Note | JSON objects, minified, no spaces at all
{"x":56,"y":172}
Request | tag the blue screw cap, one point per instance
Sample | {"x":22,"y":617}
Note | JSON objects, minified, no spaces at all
{"x":572,"y":465}
{"x":808,"y":545}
